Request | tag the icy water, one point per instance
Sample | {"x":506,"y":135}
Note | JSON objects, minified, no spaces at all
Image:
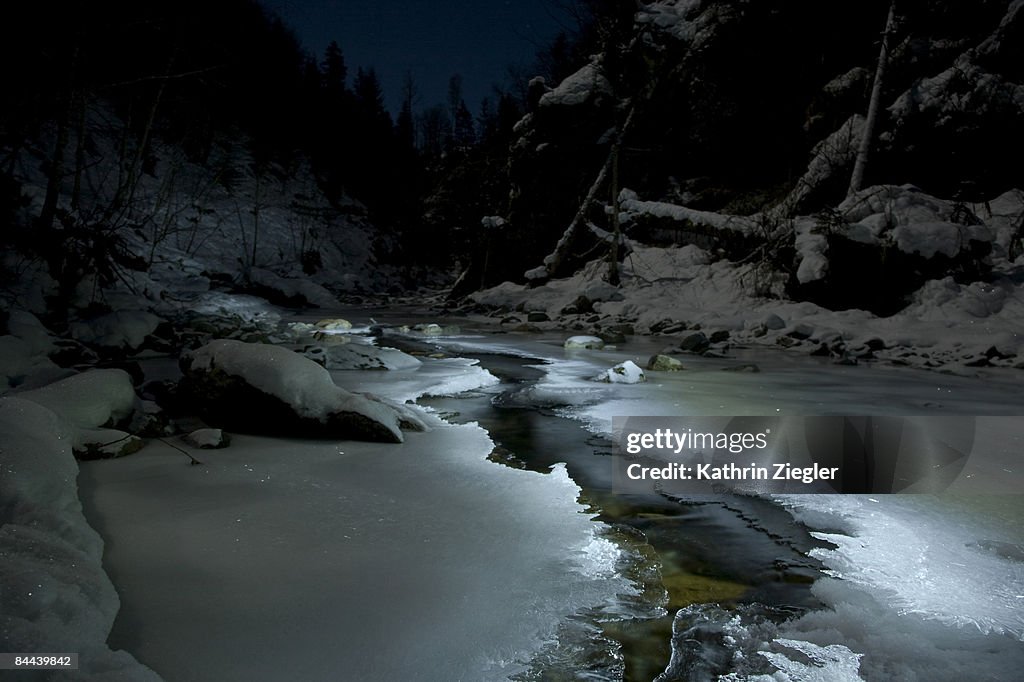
{"x":426,"y":561}
{"x":817,"y":587}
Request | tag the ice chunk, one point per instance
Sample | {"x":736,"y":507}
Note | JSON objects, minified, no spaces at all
{"x":832,"y":663}
{"x":366,"y":356}
{"x":922,"y":554}
{"x":432,"y":557}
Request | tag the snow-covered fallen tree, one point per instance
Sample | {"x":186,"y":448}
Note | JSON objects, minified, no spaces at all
{"x":262,"y":388}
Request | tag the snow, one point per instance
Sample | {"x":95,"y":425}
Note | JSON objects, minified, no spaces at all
{"x":333,"y":324}
{"x":633,"y":207}
{"x":627,"y":372}
{"x":294,"y":287}
{"x":55,"y":596}
{"x":687,"y":20}
{"x":919,"y":223}
{"x":944,"y":325}
{"x":586,"y":342}
{"x":578,"y":88}
{"x":206,"y":438}
{"x":928,"y":238}
{"x":298,"y":381}
{"x":120,"y":329}
{"x":22,"y":367}
{"x":811,"y":248}
{"x":88,"y":400}
{"x":28,"y":328}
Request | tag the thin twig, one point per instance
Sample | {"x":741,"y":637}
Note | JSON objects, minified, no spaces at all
{"x":181,"y":450}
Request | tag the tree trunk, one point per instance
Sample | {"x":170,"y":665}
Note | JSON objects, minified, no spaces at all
{"x":55,"y":177}
{"x":554,"y":259}
{"x":613,"y":249}
{"x":859,"y":166}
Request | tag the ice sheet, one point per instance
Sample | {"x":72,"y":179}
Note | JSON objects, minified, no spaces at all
{"x":312,"y":560}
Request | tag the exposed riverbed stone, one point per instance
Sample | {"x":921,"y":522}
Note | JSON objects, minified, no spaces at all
{"x":695,"y":343}
{"x":664,"y":363}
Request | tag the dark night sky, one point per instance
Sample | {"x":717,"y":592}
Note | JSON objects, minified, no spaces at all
{"x":431,"y":39}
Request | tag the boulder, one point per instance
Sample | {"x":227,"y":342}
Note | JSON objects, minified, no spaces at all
{"x":695,"y":343}
{"x":612,"y":337}
{"x":664,"y":363}
{"x":581,"y":306}
{"x":261,"y":388}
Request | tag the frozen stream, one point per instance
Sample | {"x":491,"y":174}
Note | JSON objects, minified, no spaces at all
{"x":320,"y":560}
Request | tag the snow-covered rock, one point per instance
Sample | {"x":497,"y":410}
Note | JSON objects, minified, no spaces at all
{"x":20,"y":366}
{"x":93,"y":399}
{"x":264,"y":388}
{"x":627,"y":372}
{"x":207,"y":439}
{"x":584,"y":343}
{"x":89,"y":404}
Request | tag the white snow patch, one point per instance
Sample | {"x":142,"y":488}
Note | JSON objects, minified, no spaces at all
{"x":55,"y":596}
{"x":811,"y":248}
{"x":88,"y":400}
{"x":292,"y":287}
{"x":578,"y":88}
